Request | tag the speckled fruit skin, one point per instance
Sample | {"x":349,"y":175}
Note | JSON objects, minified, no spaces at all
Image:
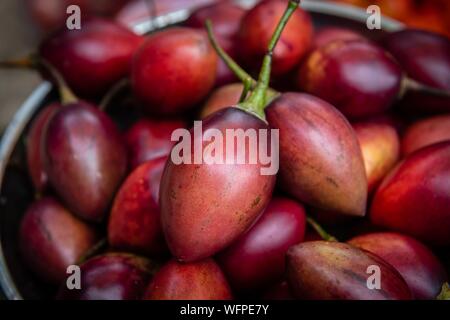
{"x":173,"y":70}
{"x":112,"y":276}
{"x":94,"y":58}
{"x":420,"y":268}
{"x":206,"y":207}
{"x":257,"y":28}
{"x":425,"y":57}
{"x":202,"y":280}
{"x":35,"y":137}
{"x":380,"y":146}
{"x":51,"y":239}
{"x":426,"y":132}
{"x":415,"y":197}
{"x":357,"y":77}
{"x":222,"y":98}
{"x":150,"y":139}
{"x":257,"y":259}
{"x":85,"y":159}
{"x":322,"y":270}
{"x":320,"y":159}
{"x":329,"y":34}
{"x":134,"y":223}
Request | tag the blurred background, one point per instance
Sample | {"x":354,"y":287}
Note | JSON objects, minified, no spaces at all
{"x":24,"y":22}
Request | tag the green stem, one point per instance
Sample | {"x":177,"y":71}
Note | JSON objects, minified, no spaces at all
{"x":66,"y":95}
{"x":113,"y":92}
{"x":247,"y":88}
{"x":445,"y":292}
{"x":257,"y":100}
{"x":321,"y":231}
{"x":409,"y":84}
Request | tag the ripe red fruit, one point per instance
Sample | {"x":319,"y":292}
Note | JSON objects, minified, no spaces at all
{"x":35,"y":137}
{"x":134,"y":223}
{"x":178,"y":65}
{"x":321,"y":270}
{"x":51,"y":239}
{"x":112,"y":276}
{"x":357,"y":77}
{"x":329,"y":34}
{"x":421,"y":270}
{"x":85,"y":159}
{"x":94,"y":58}
{"x":202,"y":280}
{"x":222,"y":98}
{"x":414,"y":198}
{"x":150,"y":139}
{"x":320,"y":158}
{"x":257,"y":259}
{"x":257,"y":28}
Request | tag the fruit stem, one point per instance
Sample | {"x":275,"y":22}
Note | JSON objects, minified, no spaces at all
{"x":445,"y":292}
{"x":256,"y":102}
{"x":94,"y":250}
{"x":66,"y":95}
{"x":112,"y":93}
{"x":321,"y":231}
{"x":409,"y":84}
{"x":23,"y":63}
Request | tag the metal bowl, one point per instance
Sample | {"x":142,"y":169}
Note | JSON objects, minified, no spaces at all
{"x":16,"y":191}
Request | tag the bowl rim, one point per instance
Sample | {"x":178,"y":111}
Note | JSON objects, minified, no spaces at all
{"x":27,"y":110}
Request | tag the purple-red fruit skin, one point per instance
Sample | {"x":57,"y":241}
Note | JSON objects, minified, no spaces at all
{"x":150,"y":139}
{"x":134,"y":223}
{"x":85,"y":159}
{"x":257,"y":259}
{"x":94,"y":58}
{"x":420,"y":268}
{"x":51,"y":239}
{"x":357,"y":77}
{"x":415,"y":197}
{"x":329,"y":34}
{"x":112,"y":276}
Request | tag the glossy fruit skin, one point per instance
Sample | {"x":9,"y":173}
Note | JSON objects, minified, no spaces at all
{"x":257,"y":259}
{"x":425,"y":57}
{"x":51,"y":239}
{"x":150,"y":139}
{"x":426,"y":132}
{"x":203,"y":208}
{"x":257,"y":28}
{"x":134,"y":223}
{"x":112,"y":276}
{"x":322,"y":270}
{"x":85,"y":159}
{"x":420,"y":268}
{"x":324,"y":167}
{"x":380,"y":146}
{"x":414,"y":198}
{"x":201,"y":280}
{"x":179,"y":65}
{"x":329,"y":34}
{"x":357,"y":77}
{"x":94,"y":58}
{"x":34,"y":152}
{"x":222,"y":98}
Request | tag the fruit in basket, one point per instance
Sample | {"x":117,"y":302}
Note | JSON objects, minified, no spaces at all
{"x":51,"y":239}
{"x":112,"y":276}
{"x":150,"y":139}
{"x":357,"y":77}
{"x":420,"y":268}
{"x":257,"y":259}
{"x":85,"y":159}
{"x":221,"y":98}
{"x":414,"y":198}
{"x":320,"y":158}
{"x":34,"y":152}
{"x":134,"y":223}
{"x":257,"y":28}
{"x":425,"y":57}
{"x":323,"y":270}
{"x":329,"y":34}
{"x":91,"y":59}
{"x":425,"y":132}
{"x":380,"y":147}
{"x":202,"y":280}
